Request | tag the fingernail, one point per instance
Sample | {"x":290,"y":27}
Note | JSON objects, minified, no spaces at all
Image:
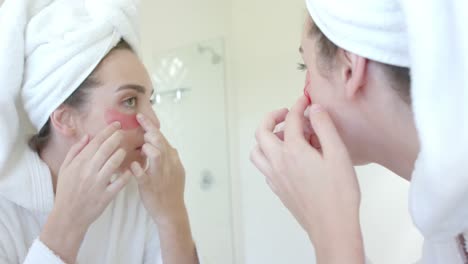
{"x":134,"y":166}
{"x":140,"y":117}
{"x":316,"y":108}
{"x":117,"y":124}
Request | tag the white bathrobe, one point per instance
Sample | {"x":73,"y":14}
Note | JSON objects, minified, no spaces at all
{"x":124,"y":233}
{"x":47,"y":48}
{"x":438,"y":48}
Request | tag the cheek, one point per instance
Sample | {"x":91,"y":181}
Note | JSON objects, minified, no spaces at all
{"x":128,"y":122}
{"x":320,"y":90}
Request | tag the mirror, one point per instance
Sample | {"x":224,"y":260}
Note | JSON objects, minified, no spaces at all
{"x":227,"y":196}
{"x":190,"y":99}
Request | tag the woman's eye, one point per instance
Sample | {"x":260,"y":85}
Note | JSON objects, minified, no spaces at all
{"x":301,"y":66}
{"x":131,"y":102}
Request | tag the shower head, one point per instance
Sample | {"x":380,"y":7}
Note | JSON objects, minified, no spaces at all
{"x":215,"y":57}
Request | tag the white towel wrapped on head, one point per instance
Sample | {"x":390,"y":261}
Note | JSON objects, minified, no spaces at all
{"x":64,"y":43}
{"x":373,"y":29}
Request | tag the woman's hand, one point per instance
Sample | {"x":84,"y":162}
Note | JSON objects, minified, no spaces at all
{"x":84,"y":190}
{"x":317,"y":185}
{"x":162,"y":185}
{"x":308,"y":131}
{"x":162,"y":192}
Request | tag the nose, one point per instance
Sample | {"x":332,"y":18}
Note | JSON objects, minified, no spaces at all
{"x":306,"y":93}
{"x":156,"y":120}
{"x":307,"y":83}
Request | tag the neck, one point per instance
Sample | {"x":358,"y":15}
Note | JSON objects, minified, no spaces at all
{"x":399,"y":157}
{"x":399,"y":148}
{"x":52,"y":155}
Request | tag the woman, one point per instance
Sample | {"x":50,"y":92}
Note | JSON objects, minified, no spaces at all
{"x":356,"y":57}
{"x":99,"y":183}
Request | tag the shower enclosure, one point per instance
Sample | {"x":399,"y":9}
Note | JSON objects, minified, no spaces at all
{"x":190,"y":96}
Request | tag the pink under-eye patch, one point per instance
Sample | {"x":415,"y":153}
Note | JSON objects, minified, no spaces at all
{"x":127,"y":121}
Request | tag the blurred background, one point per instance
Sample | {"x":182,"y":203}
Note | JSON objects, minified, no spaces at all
{"x":218,"y":67}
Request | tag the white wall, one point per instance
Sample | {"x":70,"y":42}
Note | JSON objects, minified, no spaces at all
{"x":171,"y":24}
{"x":389,"y":234}
{"x":265,"y":40}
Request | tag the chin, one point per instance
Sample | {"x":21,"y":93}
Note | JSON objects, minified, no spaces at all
{"x":362,"y":163}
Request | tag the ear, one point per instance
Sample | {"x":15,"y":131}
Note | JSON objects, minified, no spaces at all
{"x":63,"y":119}
{"x":354,"y":73}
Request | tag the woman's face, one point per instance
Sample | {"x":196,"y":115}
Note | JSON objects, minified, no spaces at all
{"x":325,"y":86}
{"x":124,"y":90}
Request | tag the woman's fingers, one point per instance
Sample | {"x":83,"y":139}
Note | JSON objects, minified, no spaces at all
{"x":153,"y":153}
{"x":294,"y":128}
{"x":153,"y":136}
{"x":260,"y":161}
{"x":314,"y":141}
{"x":75,"y":150}
{"x":271,"y":120}
{"x":271,"y":185}
{"x":85,"y":189}
{"x":280,"y":135}
{"x":154,"y":156}
{"x":325,"y":130}
{"x":116,"y":186}
{"x":146,"y":123}
{"x":104,"y":152}
{"x":140,"y":175}
{"x":157,"y":139}
{"x":98,"y":140}
{"x":111,"y":166}
{"x":267,"y":140}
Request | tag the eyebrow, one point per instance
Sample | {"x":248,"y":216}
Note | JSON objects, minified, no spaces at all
{"x":135,"y":87}
{"x":300,"y":49}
